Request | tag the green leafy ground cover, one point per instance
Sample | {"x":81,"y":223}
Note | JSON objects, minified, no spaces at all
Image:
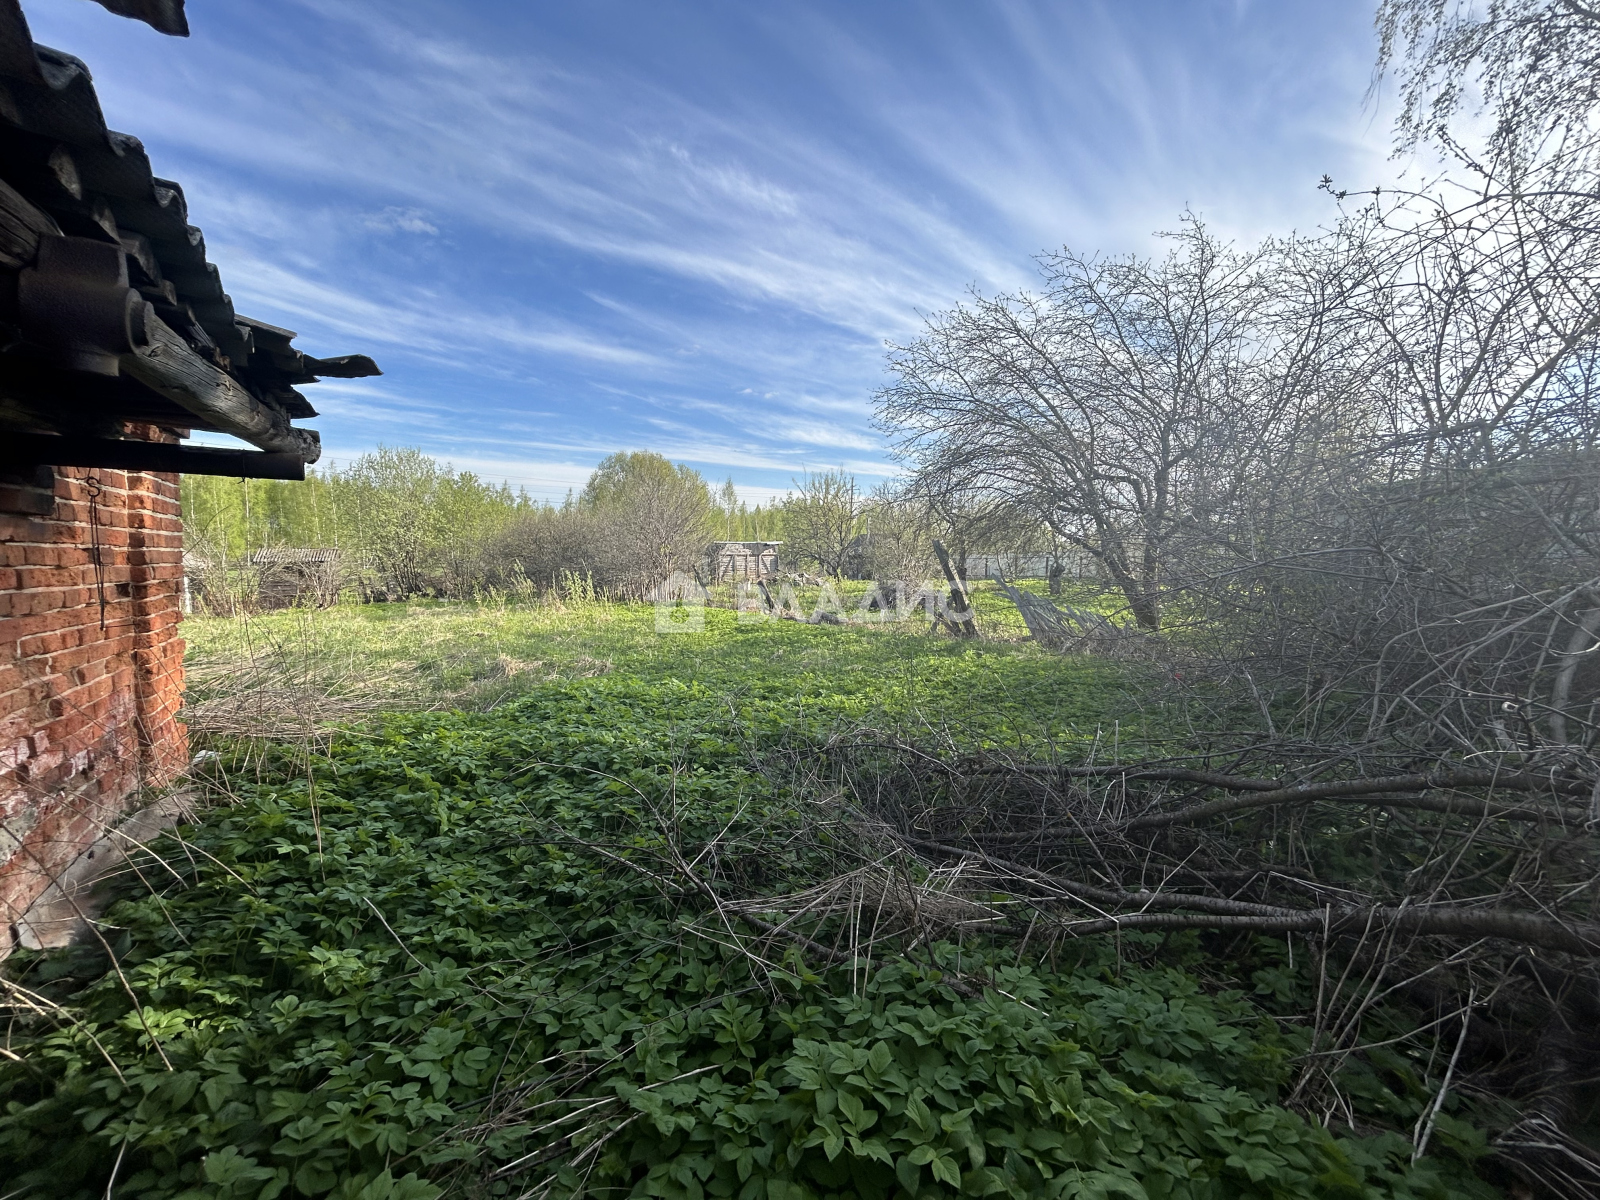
{"x":475,"y":656}
{"x":451,"y":955}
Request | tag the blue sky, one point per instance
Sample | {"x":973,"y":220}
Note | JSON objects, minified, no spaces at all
{"x":690,"y":225}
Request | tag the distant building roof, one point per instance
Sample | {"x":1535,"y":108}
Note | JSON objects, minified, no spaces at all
{"x":288,"y":556}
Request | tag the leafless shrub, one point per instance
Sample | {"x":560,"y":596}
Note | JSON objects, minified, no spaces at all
{"x":640,"y":519}
{"x":899,"y":538}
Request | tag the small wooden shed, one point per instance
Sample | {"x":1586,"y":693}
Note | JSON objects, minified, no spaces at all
{"x":731,"y":562}
{"x":288,"y":576}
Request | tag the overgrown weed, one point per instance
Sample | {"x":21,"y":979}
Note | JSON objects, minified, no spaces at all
{"x":524,"y":953}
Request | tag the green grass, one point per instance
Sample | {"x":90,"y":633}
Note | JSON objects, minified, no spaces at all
{"x":1000,"y":689}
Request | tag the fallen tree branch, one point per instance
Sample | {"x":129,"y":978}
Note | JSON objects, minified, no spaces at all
{"x":1334,"y":789}
{"x":1399,"y":790}
{"x":1210,"y":912}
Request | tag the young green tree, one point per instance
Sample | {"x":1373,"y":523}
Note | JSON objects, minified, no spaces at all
{"x":390,"y":497}
{"x":653,"y":518}
{"x":730,"y":513}
{"x":820,"y":519}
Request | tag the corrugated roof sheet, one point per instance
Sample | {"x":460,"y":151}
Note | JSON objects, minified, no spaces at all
{"x":165,"y":15}
{"x":290,"y":556}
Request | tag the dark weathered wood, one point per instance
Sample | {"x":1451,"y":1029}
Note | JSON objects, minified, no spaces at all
{"x":274,"y":337}
{"x":201,"y":285}
{"x":90,"y":217}
{"x":167,"y":365}
{"x":98,"y":211}
{"x":67,"y":175}
{"x":958,"y":594}
{"x":294,"y":405}
{"x":160,"y":214}
{"x":137,"y":247}
{"x":41,"y":398}
{"x":16,"y":43}
{"x":22,"y":224}
{"x":63,"y":106}
{"x":119,"y":454}
{"x":164,"y":15}
{"x":119,"y":168}
{"x":165,"y":294}
{"x":64,"y":172}
{"x":345,"y":366}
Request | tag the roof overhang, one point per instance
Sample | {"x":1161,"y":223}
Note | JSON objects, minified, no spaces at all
{"x":128,"y":454}
{"x":109,"y":310}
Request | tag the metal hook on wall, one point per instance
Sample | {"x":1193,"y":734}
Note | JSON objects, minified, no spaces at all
{"x":94,"y":489}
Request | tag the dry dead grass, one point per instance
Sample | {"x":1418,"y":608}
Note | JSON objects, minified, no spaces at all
{"x":294,"y":675}
{"x":271,"y":698}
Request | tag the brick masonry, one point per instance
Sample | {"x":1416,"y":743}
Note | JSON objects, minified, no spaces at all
{"x":88,"y":714}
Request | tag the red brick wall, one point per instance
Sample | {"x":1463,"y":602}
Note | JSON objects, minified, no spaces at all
{"x":87,"y":716}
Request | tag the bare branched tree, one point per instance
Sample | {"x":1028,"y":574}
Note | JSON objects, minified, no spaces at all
{"x":1438,"y":552}
{"x":968,"y":520}
{"x":1534,"y":65}
{"x":1367,"y":465}
{"x":899,"y":538}
{"x":639,"y":518}
{"x":654,"y":517}
{"x":1116,"y":406}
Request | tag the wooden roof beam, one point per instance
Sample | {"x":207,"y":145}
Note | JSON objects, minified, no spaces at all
{"x":164,"y":15}
{"x":122,"y":454}
{"x":22,"y":224}
{"x":167,"y":365}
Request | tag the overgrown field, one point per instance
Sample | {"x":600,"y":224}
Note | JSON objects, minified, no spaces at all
{"x":542,"y":942}
{"x":276,"y":670}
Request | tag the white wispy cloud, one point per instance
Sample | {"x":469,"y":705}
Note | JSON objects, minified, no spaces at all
{"x":437,"y":328}
{"x":394,"y":219}
{"x":561,"y":242}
